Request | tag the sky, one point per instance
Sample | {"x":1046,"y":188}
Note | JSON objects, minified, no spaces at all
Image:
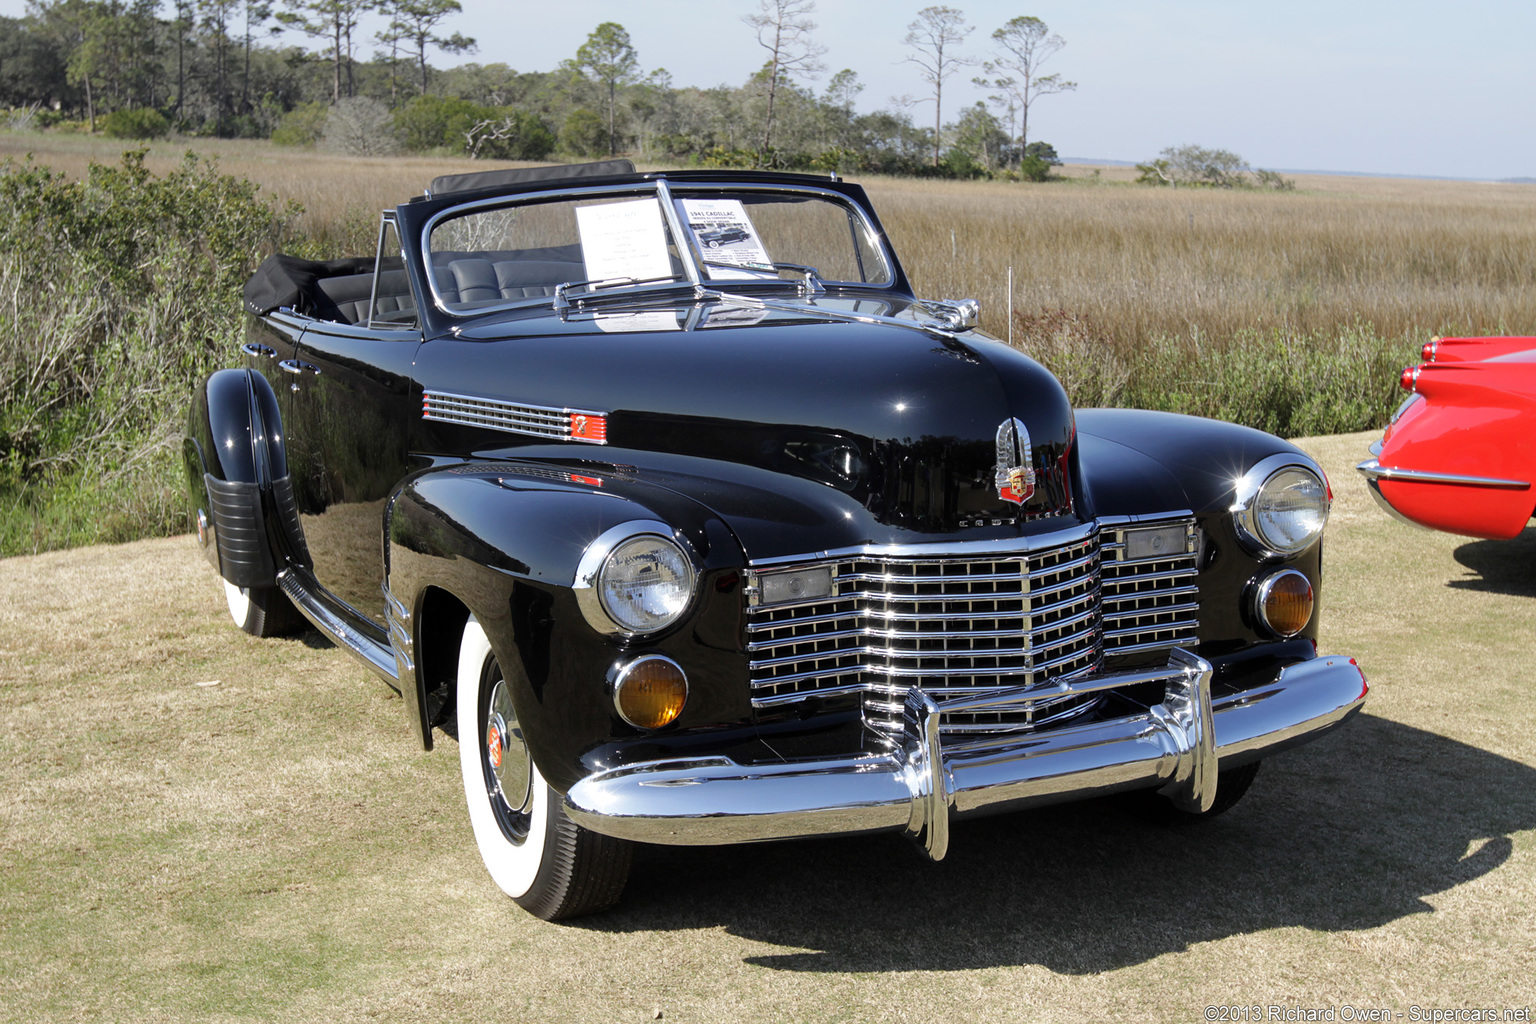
{"x":1366,"y":86}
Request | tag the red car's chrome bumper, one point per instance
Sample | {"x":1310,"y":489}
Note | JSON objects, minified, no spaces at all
{"x":1479,"y":506}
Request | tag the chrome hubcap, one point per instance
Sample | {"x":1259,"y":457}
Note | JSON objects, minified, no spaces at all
{"x":506,"y":755}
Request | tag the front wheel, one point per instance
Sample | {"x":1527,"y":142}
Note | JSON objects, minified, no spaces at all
{"x":550,"y":865}
{"x":261,"y":611}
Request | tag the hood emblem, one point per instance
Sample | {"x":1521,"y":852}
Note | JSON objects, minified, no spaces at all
{"x":1015,"y":477}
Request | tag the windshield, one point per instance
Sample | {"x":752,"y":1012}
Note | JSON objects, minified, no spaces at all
{"x":509,"y":252}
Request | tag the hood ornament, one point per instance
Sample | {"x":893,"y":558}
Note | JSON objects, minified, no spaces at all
{"x":1015,"y":477}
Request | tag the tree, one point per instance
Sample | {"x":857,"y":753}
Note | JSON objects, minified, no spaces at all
{"x":359,"y":126}
{"x":215,"y":22}
{"x":416,"y":21}
{"x":1195,"y":165}
{"x":332,"y":20}
{"x":935,"y":37}
{"x":256,"y":14}
{"x":608,"y":54}
{"x":979,"y":134}
{"x":1024,"y":44}
{"x":783,"y":28}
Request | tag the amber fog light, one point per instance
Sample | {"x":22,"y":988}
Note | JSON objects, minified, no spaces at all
{"x":1285,"y":602}
{"x":650,"y":691}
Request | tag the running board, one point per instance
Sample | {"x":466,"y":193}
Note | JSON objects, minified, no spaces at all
{"x":378,"y":655}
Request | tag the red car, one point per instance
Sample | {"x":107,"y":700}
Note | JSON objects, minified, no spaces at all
{"x":1460,"y":454}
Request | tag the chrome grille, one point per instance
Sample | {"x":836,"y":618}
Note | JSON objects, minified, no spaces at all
{"x":1149,"y":604}
{"x":962,"y":625}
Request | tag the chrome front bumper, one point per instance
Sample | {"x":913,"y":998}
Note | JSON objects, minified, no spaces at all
{"x":1176,"y":746}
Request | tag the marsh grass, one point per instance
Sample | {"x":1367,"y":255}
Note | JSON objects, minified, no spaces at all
{"x":1288,"y":311}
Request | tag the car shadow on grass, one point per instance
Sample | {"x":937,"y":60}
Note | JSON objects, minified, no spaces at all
{"x":1502,"y":566}
{"x":1352,"y":832}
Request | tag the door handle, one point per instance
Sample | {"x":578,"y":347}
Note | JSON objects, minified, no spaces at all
{"x":296,"y":367}
{"x":254,"y":350}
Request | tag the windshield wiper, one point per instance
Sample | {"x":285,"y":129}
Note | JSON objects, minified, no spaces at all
{"x":562,"y":300}
{"x":810,"y":283}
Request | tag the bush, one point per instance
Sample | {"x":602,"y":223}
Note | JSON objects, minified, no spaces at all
{"x":359,"y":126}
{"x":1034,"y":168}
{"x":301,"y":126}
{"x":142,"y":123}
{"x":436,"y":122}
{"x":132,"y":295}
{"x":1288,"y":382}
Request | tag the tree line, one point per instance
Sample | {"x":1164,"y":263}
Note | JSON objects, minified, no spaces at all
{"x":302,"y":72}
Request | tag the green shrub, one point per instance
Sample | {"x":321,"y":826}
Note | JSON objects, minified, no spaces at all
{"x":141,"y":123}
{"x":1288,"y":382}
{"x":117,"y":295}
{"x":301,"y":126}
{"x":1034,"y":168}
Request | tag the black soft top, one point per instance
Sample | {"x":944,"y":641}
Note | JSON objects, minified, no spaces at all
{"x":477,"y":180}
{"x":289,"y":281}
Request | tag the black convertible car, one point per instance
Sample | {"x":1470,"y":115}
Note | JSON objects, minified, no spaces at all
{"x":684,"y":550}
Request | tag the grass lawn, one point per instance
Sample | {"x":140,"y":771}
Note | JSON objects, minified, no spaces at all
{"x":198,"y":825}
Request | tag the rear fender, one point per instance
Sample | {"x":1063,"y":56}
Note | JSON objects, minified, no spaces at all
{"x":504,"y":543}
{"x":238,"y":482}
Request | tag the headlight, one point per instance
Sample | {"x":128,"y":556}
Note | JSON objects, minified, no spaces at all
{"x":1281,"y":506}
{"x":632,"y":580}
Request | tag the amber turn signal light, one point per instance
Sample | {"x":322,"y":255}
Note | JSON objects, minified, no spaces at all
{"x":1284,"y":602}
{"x":650,"y":691}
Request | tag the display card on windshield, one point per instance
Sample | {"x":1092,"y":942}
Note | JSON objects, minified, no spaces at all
{"x":727,"y":238}
{"x":620,"y":240}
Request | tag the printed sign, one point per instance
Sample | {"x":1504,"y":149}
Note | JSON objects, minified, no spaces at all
{"x":621,"y":240}
{"x":727,"y":238}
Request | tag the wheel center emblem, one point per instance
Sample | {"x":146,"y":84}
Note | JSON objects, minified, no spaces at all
{"x":493,"y":744}
{"x":1015,"y":476}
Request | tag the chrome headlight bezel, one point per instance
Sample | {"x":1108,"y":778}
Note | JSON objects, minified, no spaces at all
{"x":601,"y":607}
{"x":1252,"y":511}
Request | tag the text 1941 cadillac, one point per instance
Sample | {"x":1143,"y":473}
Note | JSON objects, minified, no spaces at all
{"x":698,"y":545}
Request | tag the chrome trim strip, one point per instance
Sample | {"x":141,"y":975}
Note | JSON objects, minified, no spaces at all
{"x":379,"y":657}
{"x":1374,"y":470}
{"x":1178,"y":745}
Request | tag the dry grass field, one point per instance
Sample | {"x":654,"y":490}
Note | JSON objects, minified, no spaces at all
{"x":199,"y":825}
{"x":1406,"y":258}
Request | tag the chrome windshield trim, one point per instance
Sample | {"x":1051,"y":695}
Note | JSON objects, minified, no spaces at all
{"x":662,"y":190}
{"x":1373,"y":469}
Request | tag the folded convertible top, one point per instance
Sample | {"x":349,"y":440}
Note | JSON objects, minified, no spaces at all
{"x":522,"y":175}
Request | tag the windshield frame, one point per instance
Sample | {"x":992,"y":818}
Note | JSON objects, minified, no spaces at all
{"x":695,"y":279}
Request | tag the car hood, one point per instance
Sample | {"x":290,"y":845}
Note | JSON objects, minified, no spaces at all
{"x":887,"y":429}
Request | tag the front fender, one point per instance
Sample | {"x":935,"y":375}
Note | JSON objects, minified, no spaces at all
{"x":503,"y":542}
{"x":1132,"y":462}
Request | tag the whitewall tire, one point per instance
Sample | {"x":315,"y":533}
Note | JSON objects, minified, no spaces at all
{"x":552,"y":867}
{"x":261,"y":611}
